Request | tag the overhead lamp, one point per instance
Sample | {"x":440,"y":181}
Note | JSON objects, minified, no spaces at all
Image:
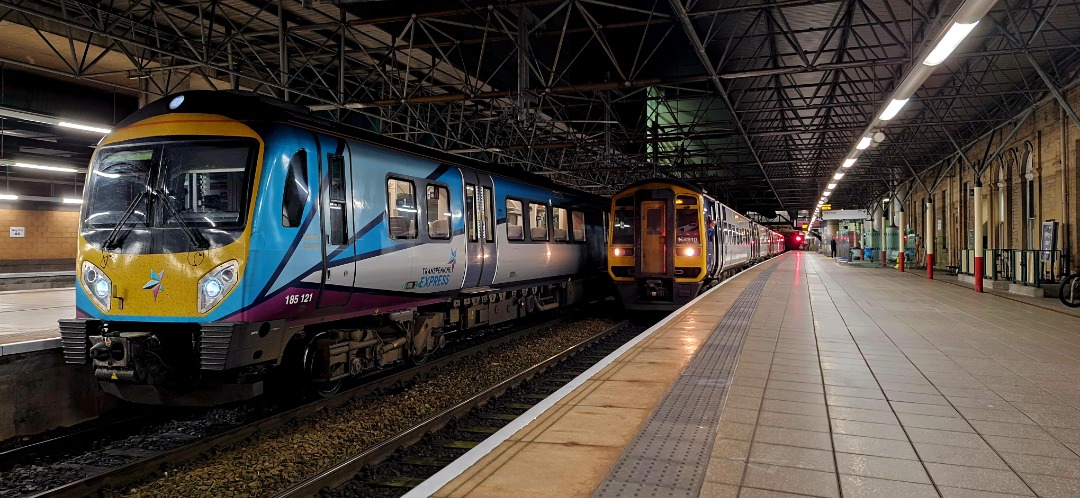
{"x":864,"y":143}
{"x":956,"y":34}
{"x":827,"y":193}
{"x":59,"y":169}
{"x":838,"y":175}
{"x":8,"y":197}
{"x":82,"y":127}
{"x":849,"y":162}
{"x":832,"y":186}
{"x":893,"y":109}
{"x":72,"y":200}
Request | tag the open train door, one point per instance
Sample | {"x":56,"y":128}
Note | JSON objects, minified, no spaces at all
{"x":481,"y":257}
{"x":335,"y":190}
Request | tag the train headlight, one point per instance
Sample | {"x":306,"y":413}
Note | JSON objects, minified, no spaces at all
{"x":623,"y":251}
{"x":688,"y":251}
{"x":215,"y":285}
{"x":98,"y":285}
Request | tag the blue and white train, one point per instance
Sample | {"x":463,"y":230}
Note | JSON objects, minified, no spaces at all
{"x":227,"y":237}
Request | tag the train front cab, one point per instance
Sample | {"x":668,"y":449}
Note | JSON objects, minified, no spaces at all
{"x":657,"y":256}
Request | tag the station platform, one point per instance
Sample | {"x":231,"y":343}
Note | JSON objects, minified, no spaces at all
{"x":28,"y":318}
{"x":804,"y":377}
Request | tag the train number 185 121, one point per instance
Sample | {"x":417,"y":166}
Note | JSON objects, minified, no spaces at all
{"x":299,"y":298}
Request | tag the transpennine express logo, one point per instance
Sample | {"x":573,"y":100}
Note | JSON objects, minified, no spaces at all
{"x":155,"y":283}
{"x":435,"y":276}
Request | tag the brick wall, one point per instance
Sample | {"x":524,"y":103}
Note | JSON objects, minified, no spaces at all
{"x":1051,"y":139}
{"x":49,"y":234}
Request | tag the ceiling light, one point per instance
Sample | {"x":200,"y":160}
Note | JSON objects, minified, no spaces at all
{"x":827,"y":193}
{"x":956,"y":34}
{"x":838,"y":175}
{"x":892,"y":109}
{"x":832,"y":186}
{"x":864,"y":143}
{"x":8,"y":197}
{"x":59,"y":169}
{"x":72,"y":200}
{"x":76,"y":126}
{"x":849,"y":162}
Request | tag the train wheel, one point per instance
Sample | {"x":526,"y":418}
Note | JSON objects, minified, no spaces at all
{"x":327,"y":389}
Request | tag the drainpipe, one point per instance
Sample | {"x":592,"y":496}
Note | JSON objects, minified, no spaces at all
{"x":978,"y":234}
{"x":929,"y":238}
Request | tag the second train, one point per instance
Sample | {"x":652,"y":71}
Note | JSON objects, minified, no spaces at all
{"x":670,"y":241}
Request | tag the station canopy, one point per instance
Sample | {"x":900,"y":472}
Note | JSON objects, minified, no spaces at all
{"x":758,"y":101}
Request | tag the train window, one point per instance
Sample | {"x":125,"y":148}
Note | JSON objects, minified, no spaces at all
{"x":515,"y":228}
{"x":488,"y":214}
{"x":401,"y":208}
{"x":297,"y":193}
{"x":559,"y":223}
{"x":578,"y":224}
{"x":538,"y":222}
{"x":686,"y":226}
{"x":337,"y":177}
{"x":470,"y":206}
{"x":686,"y":200}
{"x":438,"y":212}
{"x":626,"y":201}
{"x":622,"y":228}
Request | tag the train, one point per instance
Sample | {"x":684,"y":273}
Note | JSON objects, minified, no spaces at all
{"x":670,"y":241}
{"x":228,"y":239}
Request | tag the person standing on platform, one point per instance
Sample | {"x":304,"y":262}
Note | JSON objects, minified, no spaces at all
{"x":832,"y":247}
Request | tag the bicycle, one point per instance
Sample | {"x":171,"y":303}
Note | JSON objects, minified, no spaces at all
{"x":1069,"y":292}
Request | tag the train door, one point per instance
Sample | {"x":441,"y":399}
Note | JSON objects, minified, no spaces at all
{"x":654,"y":243}
{"x":335,"y":174}
{"x":481,"y":256}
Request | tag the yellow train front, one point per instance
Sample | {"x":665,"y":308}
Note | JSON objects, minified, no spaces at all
{"x":669,"y":242}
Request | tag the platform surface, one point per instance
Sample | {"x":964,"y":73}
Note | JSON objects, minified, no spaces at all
{"x":27,"y":315}
{"x":848,"y":382}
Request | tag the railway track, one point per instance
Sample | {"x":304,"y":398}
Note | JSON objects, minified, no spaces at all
{"x":427,"y":449}
{"x":144,"y":464}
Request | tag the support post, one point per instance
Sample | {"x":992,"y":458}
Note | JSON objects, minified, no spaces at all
{"x":902,"y":238}
{"x":884,"y":239}
{"x":978,"y":236}
{"x":929,"y":239}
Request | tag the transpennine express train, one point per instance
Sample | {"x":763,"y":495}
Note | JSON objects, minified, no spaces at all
{"x":227,"y":238}
{"x":669,"y":242}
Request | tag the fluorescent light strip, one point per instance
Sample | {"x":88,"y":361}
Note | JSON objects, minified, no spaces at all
{"x":832,"y":186}
{"x":892,"y":109}
{"x":58,"y":169}
{"x":849,"y":162}
{"x":864,"y":143}
{"x":956,"y":34}
{"x":827,"y":193}
{"x":8,"y":197}
{"x":70,"y":200}
{"x":77,"y":126}
{"x":838,"y":175}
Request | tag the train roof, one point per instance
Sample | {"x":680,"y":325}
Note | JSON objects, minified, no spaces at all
{"x":249,"y":106}
{"x":674,"y":181}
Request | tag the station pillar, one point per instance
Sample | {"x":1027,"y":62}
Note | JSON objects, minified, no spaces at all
{"x":978,"y":236}
{"x":902,"y":238}
{"x":884,"y":240}
{"x":928,"y":239}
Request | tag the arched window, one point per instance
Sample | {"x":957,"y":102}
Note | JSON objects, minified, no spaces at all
{"x":1027,"y":195}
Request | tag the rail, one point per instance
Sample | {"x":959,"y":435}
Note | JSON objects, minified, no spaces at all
{"x":130,"y":473}
{"x":1030,"y":267}
{"x":343,"y":472}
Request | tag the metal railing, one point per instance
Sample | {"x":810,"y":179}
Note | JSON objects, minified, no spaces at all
{"x":1030,"y":267}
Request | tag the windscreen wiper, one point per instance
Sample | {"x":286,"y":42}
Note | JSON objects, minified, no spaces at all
{"x":111,"y":240}
{"x":196,"y":238}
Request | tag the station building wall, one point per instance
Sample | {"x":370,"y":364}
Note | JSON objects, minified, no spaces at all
{"x":51,"y":234}
{"x":1052,"y":141}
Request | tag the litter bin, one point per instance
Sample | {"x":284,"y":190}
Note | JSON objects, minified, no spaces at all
{"x":867,"y":253}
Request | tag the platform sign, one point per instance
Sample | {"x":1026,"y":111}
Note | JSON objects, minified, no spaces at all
{"x":17,"y":232}
{"x":826,"y":207}
{"x":805,"y":226}
{"x":1049,"y":240}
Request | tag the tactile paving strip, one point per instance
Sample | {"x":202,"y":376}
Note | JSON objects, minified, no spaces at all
{"x":669,"y":456}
